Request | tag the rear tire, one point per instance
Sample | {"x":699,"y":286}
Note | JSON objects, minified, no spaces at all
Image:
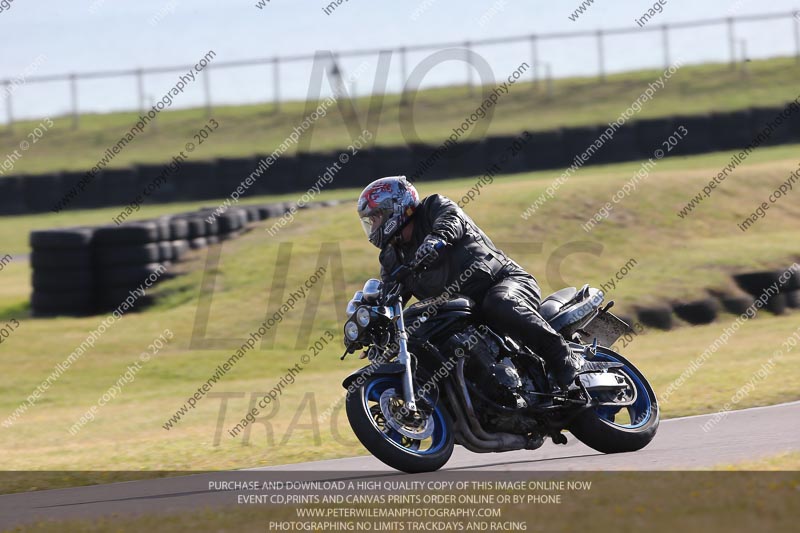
{"x":607,"y":437}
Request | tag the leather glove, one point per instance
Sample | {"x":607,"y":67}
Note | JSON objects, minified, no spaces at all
{"x":427,"y":252}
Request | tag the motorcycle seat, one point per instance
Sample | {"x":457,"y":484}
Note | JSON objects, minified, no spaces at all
{"x":458,"y":303}
{"x":555,"y":302}
{"x":579,"y":304}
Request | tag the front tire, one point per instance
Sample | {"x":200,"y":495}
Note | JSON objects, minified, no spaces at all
{"x":401,"y":452}
{"x":598,"y":428}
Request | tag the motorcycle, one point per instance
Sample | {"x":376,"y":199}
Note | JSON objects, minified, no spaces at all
{"x":448,"y":379}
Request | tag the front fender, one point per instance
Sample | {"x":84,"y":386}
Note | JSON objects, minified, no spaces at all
{"x":362,"y":374}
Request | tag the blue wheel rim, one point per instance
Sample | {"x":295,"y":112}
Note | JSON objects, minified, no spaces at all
{"x":640,"y":411}
{"x":372,"y":394}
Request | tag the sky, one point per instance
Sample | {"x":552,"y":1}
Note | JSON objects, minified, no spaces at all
{"x":54,"y":37}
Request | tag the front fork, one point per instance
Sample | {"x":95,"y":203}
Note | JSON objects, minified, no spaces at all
{"x":404,"y":357}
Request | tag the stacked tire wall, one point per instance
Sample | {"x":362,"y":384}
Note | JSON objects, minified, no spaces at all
{"x":545,"y":150}
{"x":780,"y":297}
{"x":88,"y":270}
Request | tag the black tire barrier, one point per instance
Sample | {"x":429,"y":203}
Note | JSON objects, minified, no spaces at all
{"x":61,"y":238}
{"x":698,"y":312}
{"x":147,"y":175}
{"x":727,"y":131}
{"x":212,"y":227}
{"x":55,"y":259}
{"x":235,"y":169}
{"x":243,"y":218}
{"x":311,"y":166}
{"x":545,"y":150}
{"x":793,"y":299}
{"x":178,"y":229}
{"x":698,"y":140}
{"x":252,"y":214}
{"x":62,"y":303}
{"x":777,"y":304}
{"x":41,"y":193}
{"x":180,"y":249}
{"x":197,"y":227}
{"x":736,"y":305}
{"x":465,"y":159}
{"x":553,"y":149}
{"x":164,"y":229}
{"x":498,"y":150}
{"x":92,"y":195}
{"x":655,"y":317}
{"x":623,"y":147}
{"x":133,"y":254}
{"x":761,"y":117}
{"x":229,"y":222}
{"x":166,"y":252}
{"x":266,"y":212}
{"x":359,"y":168}
{"x":133,"y":233}
{"x":63,"y":280}
{"x":120,"y":186}
{"x":793,"y":284}
{"x":755,"y":283}
{"x":650,"y":133}
{"x":99,"y":262}
{"x":128,"y":276}
{"x":577,"y":140}
{"x":11,"y":190}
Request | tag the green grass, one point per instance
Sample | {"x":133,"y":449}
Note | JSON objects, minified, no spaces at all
{"x":789,"y":461}
{"x":258,"y":129}
{"x":676,"y":259}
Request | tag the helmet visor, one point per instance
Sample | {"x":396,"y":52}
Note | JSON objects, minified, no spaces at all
{"x":371,"y":223}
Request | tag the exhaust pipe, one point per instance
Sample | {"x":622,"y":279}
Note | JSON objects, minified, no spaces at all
{"x":476,"y":439}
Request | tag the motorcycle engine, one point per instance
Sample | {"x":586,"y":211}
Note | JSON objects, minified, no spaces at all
{"x":487,"y":368}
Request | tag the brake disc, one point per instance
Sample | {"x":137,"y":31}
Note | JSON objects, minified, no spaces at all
{"x":416,"y":428}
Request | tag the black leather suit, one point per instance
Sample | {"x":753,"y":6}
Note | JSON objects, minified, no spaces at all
{"x":507,"y":296}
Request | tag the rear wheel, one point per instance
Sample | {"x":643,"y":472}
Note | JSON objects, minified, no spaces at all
{"x":418,"y":442}
{"x":611,"y":429}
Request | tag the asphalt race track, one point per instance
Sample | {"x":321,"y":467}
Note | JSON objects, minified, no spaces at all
{"x":681,"y":444}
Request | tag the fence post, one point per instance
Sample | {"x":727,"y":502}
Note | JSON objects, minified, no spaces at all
{"x":535,"y":61}
{"x":732,"y":43}
{"x":207,"y":90}
{"x":796,"y":19}
{"x":276,"y":84}
{"x":549,"y":80}
{"x":9,"y":110}
{"x":468,"y":56}
{"x":665,"y":44}
{"x":601,"y":60}
{"x":73,"y":89}
{"x":743,"y":44}
{"x":140,"y":89}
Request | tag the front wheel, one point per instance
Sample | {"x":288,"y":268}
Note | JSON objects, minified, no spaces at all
{"x":413,"y":443}
{"x":611,"y":429}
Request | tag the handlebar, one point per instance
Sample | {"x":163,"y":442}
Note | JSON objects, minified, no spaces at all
{"x":415,"y":267}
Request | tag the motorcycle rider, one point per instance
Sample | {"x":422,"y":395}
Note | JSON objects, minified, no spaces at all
{"x":407,"y":229}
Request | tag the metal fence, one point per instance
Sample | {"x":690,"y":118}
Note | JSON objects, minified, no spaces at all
{"x":541,"y":69}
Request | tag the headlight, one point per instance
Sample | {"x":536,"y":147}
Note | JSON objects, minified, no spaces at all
{"x":358,"y":297}
{"x":363,"y":317}
{"x":351,"y":331}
